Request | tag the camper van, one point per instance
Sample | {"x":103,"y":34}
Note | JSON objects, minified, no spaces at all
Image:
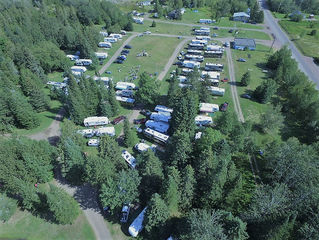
{"x":137,"y":225}
{"x":95,"y":121}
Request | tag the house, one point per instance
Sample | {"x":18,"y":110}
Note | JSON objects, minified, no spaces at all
{"x":129,"y":159}
{"x":161,"y":127}
{"x":155,"y":135}
{"x":95,"y":121}
{"x":101,"y":55}
{"x":196,"y":58}
{"x":105,"y":131}
{"x":160,"y":116}
{"x":216,"y":90}
{"x":241,"y":16}
{"x":191,"y":64}
{"x":125,"y":86}
{"x":105,"y":44}
{"x":73,"y":57}
{"x":244,"y":43}
{"x":201,"y":120}
{"x":206,"y":21}
{"x":208,"y":107}
{"x":125,"y":99}
{"x":138,"y":20}
{"x":161,"y":108}
{"x":137,"y":225}
{"x":93,"y":142}
{"x":214,"y":67}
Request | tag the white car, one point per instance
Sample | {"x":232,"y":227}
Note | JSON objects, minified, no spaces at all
{"x":147,"y":32}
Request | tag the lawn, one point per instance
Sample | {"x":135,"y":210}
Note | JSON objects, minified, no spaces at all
{"x":24,"y":225}
{"x":159,"y":50}
{"x":299,"y":33}
{"x":242,"y":34}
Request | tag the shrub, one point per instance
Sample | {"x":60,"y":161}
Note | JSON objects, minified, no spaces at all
{"x":313,"y":32}
{"x":8,"y":206}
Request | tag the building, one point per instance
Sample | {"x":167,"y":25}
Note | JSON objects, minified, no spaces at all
{"x":161,"y":127}
{"x":95,"y":121}
{"x":201,"y":120}
{"x":241,"y":16}
{"x":244,"y":43}
{"x":208,"y":107}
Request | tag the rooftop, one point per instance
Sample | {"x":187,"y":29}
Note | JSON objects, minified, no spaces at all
{"x":246,"y":42}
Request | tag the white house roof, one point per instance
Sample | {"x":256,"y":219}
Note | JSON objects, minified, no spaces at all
{"x":241,"y":14}
{"x":208,"y":107}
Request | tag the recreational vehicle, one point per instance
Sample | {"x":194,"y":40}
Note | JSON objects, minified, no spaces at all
{"x":101,"y":55}
{"x":197,"y":58}
{"x":211,"y":75}
{"x":197,"y":41}
{"x":110,"y":39}
{"x":95,"y":121}
{"x":207,"y":38}
{"x":93,"y":142}
{"x":73,"y":57}
{"x":214,"y":67}
{"x":206,"y":21}
{"x":186,"y":71}
{"x":105,"y":44}
{"x":160,"y":116}
{"x":182,"y":79}
{"x":214,"y":54}
{"x":161,"y":127}
{"x":137,"y":225}
{"x":59,"y":85}
{"x":214,"y":48}
{"x":105,"y":131}
{"x":116,"y":35}
{"x":191,"y":64}
{"x":83,"y":62}
{"x":143,"y":147}
{"x":216,"y":90}
{"x":104,"y":34}
{"x":125,"y":99}
{"x":125,"y":86}
{"x":202,"y":32}
{"x":156,"y":136}
{"x":196,"y":46}
{"x":208,"y":107}
{"x":194,"y":52}
{"x":161,"y":108}
{"x":129,"y":159}
{"x":86,"y":132}
{"x":125,"y":93}
{"x":138,"y":20}
{"x":201,"y":120}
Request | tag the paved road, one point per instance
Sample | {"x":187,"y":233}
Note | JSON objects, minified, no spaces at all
{"x":306,"y":64}
{"x":172,"y":59}
{"x":233,"y":86}
{"x":117,"y":53}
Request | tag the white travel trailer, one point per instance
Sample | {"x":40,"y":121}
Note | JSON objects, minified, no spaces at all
{"x":125,"y":93}
{"x":103,"y":79}
{"x":105,"y":44}
{"x":78,"y":70}
{"x":186,"y":71}
{"x":125,"y":99}
{"x":194,"y":52}
{"x":73,"y":57}
{"x":95,"y":121}
{"x":182,"y":85}
{"x":211,"y":75}
{"x":129,"y":159}
{"x":161,"y":108}
{"x":214,"y":48}
{"x":208,"y":107}
{"x":110,"y":39}
{"x":200,"y":32}
{"x":156,"y":136}
{"x":197,"y":41}
{"x":201,"y":120}
{"x":101,"y":55}
{"x":182,"y":79}
{"x":125,"y":86}
{"x":161,"y":127}
{"x":216,"y":90}
{"x":206,"y":21}
{"x":214,"y":67}
{"x":105,"y":131}
{"x":93,"y":142}
{"x":86,"y":132}
{"x":143,"y":147}
{"x":137,"y":225}
{"x":161,"y":116}
{"x":207,"y":38}
{"x":59,"y":85}
{"x":191,"y":64}
{"x":116,"y":35}
{"x":196,"y":58}
{"x":104,"y":34}
{"x":138,"y":20}
{"x":196,"y":46}
{"x":83,"y":62}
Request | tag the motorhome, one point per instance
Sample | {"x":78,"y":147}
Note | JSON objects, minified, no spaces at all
{"x":156,"y":136}
{"x":196,"y":58}
{"x":214,"y":67}
{"x":211,"y":75}
{"x":143,"y":147}
{"x":125,"y":99}
{"x":101,"y":55}
{"x":191,"y":64}
{"x":214,"y":48}
{"x":110,"y":39}
{"x":116,"y":35}
{"x":194,"y":52}
{"x":125,"y":86}
{"x":161,"y":116}
{"x":86,"y":132}
{"x":202,"y":32}
{"x":83,"y":62}
{"x":207,"y":38}
{"x":129,"y":159}
{"x":208,"y":107}
{"x":216,"y":90}
{"x":95,"y":121}
{"x":73,"y":57}
{"x":161,"y":108}
{"x":161,"y":127}
{"x":105,"y":131}
{"x":137,"y":225}
{"x":197,"y":41}
{"x":214,"y":54}
{"x":196,"y":46}
{"x":201,"y":120}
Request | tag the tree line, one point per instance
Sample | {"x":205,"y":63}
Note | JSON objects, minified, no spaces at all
{"x":288,"y":6}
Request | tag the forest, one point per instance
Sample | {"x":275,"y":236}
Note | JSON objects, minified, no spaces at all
{"x":288,"y":6}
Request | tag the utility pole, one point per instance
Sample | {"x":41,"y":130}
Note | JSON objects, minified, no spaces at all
{"x":273,"y":42}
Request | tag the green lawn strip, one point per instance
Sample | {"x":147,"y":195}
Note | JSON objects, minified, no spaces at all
{"x":159,"y":49}
{"x":55,"y":76}
{"x":299,"y":33}
{"x":242,"y":34}
{"x":24,"y":225}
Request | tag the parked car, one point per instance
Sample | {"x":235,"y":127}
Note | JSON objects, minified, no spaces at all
{"x":246,"y":96}
{"x":125,"y":213}
{"x":179,"y":63}
{"x":118,"y":120}
{"x":179,"y":37}
{"x":108,"y":72}
{"x":122,"y":57}
{"x":242,"y":60}
{"x":224,"y":107}
{"x":215,"y":35}
{"x":119,"y":61}
{"x":146,"y":112}
{"x":215,"y":28}
{"x":226,"y":44}
{"x":225,"y":79}
{"x":140,"y":121}
{"x":128,"y":46}
{"x":231,"y":30}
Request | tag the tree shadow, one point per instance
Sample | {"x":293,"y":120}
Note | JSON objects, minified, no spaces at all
{"x":87,"y":196}
{"x":54,"y":140}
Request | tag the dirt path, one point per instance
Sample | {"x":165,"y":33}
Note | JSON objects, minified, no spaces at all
{"x":117,"y":53}
{"x":172,"y":59}
{"x":134,"y":115}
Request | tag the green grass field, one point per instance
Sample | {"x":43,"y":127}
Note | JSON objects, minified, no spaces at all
{"x":299,"y":33}
{"x":24,"y":225}
{"x":159,"y":49}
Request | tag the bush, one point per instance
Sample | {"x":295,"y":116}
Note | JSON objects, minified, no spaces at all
{"x":8,"y":206}
{"x":316,"y":60}
{"x":296,"y":17}
{"x":313,"y":32}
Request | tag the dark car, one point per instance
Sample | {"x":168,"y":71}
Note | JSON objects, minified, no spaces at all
{"x":242,"y":60}
{"x":122,"y":57}
{"x":119,"y":61}
{"x":128,"y":46}
{"x":118,"y":120}
{"x":231,"y":30}
{"x":140,"y":121}
{"x":246,"y":96}
{"x":146,"y":112}
{"x":224,"y":107}
{"x":179,"y":63}
{"x":125,"y":213}
{"x":215,"y":28}
{"x":125,"y":52}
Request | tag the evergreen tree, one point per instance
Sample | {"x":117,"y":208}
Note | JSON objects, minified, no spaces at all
{"x":130,"y":137}
{"x":38,"y":100}
{"x":245,"y":80}
{"x":112,"y":100}
{"x":226,"y":122}
{"x":271,"y":120}
{"x":179,"y":149}
{"x":171,"y":192}
{"x":265,"y":91}
{"x":173,"y":90}
{"x":187,"y":188}
{"x":147,"y":92}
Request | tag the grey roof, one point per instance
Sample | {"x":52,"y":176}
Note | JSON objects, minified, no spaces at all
{"x":241,"y":14}
{"x":246,"y":42}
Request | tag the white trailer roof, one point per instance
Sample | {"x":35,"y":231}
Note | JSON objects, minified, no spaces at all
{"x":101,"y":55}
{"x":203,"y":120}
{"x":137,"y":225}
{"x":160,"y":116}
{"x":216,"y":90}
{"x":94,"y":142}
{"x":124,"y":93}
{"x":105,"y":131}
{"x":142,"y":147}
{"x":105,"y":44}
{"x":182,"y":79}
{"x":104,"y":79}
{"x":208,"y":107}
{"x":214,"y":48}
{"x":72,"y":57}
{"x":157,"y":126}
{"x":129,"y":158}
{"x":161,"y":108}
{"x":156,"y":135}
{"x":78,"y":69}
{"x":85,"y":132}
{"x":211,"y":75}
{"x":125,"y":99}
{"x":91,"y":121}
{"x":125,"y":85}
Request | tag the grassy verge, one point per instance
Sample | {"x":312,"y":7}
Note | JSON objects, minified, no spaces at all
{"x":299,"y":33}
{"x":24,"y":225}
